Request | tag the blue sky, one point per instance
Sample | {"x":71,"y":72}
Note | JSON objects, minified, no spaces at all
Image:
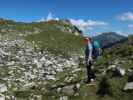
{"x":93,"y":16}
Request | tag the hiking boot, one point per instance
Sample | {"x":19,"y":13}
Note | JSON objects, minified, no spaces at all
{"x":87,"y":81}
{"x":90,"y":82}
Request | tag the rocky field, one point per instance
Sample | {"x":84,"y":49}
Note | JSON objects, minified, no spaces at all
{"x":49,"y":65}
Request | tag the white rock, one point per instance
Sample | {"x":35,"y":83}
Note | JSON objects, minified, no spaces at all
{"x":29,"y":85}
{"x":129,"y":70}
{"x":47,"y":63}
{"x":59,"y":90}
{"x":2,"y":97}
{"x":54,"y":66}
{"x":37,"y":97}
{"x":128,"y":86}
{"x":3,"y":88}
{"x":11,"y":63}
{"x":63,"y":98}
{"x":78,"y":85}
{"x":20,"y":52}
{"x":59,"y":69}
{"x":3,"y":52}
{"x":35,"y":71}
{"x":33,"y":76}
{"x":39,"y":65}
{"x":76,"y":70}
{"x":69,"y":90}
{"x":68,"y":63}
{"x":121,"y":71}
{"x":23,"y":69}
{"x":53,"y":72}
{"x":43,"y":59}
{"x":50,"y":77}
{"x":112,"y":67}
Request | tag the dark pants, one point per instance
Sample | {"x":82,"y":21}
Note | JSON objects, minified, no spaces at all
{"x":90,"y":72}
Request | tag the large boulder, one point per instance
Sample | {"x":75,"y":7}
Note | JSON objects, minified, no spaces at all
{"x":116,"y":70}
{"x":68,"y":90}
{"x":128,"y":86}
{"x":3,"y":88}
{"x":120,"y":71}
{"x":2,"y":97}
{"x":71,"y":89}
{"x":63,"y":98}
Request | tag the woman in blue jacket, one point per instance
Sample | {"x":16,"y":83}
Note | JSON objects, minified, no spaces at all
{"x":88,"y":59}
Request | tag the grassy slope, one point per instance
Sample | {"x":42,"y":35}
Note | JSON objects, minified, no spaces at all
{"x":51,"y":37}
{"x":112,"y":85}
{"x":122,"y":54}
{"x":58,"y":42}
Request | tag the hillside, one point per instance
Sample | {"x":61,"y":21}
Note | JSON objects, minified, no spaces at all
{"x":59,"y":37}
{"x":29,"y":73}
{"x":45,"y":61}
{"x":56,"y":36}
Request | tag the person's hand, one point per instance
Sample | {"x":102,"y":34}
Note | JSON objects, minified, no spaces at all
{"x":90,"y":59}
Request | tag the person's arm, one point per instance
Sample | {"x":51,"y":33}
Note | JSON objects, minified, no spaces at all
{"x":100,"y":51}
{"x":90,"y":51}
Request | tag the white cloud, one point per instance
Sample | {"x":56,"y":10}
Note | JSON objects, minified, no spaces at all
{"x":84,"y":25}
{"x":48,"y":18}
{"x":127,"y":16}
{"x":41,"y":20}
{"x":87,"y":25}
{"x":121,"y":32}
{"x":130,"y":26}
{"x":51,"y":17}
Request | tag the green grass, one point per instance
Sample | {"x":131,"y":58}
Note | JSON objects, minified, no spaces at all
{"x":58,"y":42}
{"x":51,"y":37}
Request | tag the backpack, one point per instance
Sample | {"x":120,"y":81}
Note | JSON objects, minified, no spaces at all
{"x":96,"y":49}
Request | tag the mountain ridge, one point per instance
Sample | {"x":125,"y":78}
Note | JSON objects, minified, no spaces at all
{"x":110,"y":38}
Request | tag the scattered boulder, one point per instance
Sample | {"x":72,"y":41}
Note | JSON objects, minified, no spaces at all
{"x":37,"y":97}
{"x":3,"y":88}
{"x":64,"y":98}
{"x":59,"y":90}
{"x":71,"y":89}
{"x":120,"y":71}
{"x":116,"y":70}
{"x":2,"y":97}
{"x":128,"y":86}
{"x":50,"y":77}
{"x":23,"y":64}
{"x":29,"y":86}
{"x":76,"y":70}
{"x":78,"y":86}
{"x":112,"y":67}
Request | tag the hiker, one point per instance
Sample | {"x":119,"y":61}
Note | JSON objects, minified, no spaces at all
{"x":92,"y":51}
{"x":88,"y":59}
